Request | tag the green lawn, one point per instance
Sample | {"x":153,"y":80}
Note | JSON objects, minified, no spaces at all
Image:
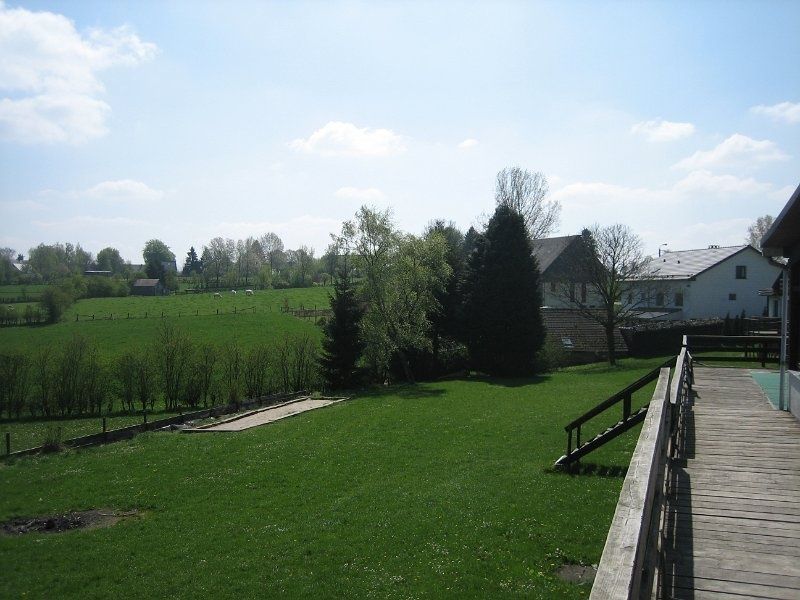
{"x":434,"y":490}
{"x":113,"y":336}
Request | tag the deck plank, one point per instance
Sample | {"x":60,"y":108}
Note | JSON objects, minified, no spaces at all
{"x":731,"y":519}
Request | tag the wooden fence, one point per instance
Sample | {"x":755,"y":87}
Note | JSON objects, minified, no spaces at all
{"x":761,"y":348}
{"x":629,"y":562}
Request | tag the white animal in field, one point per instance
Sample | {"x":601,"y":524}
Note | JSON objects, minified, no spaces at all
{"x":248,"y":292}
{"x":233,"y":292}
{"x":217,"y":295}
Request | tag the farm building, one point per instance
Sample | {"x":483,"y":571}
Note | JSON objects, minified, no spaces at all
{"x":707,"y":283}
{"x":148,"y":287}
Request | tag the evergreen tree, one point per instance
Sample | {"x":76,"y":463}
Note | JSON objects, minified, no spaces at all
{"x":342,"y":346}
{"x":503,"y":322}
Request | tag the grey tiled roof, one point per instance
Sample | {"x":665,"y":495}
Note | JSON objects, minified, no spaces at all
{"x":548,"y":249}
{"x":684,"y":264}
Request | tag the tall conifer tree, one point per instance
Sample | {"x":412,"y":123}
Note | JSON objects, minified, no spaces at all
{"x":503,"y":323}
{"x":342,"y":346}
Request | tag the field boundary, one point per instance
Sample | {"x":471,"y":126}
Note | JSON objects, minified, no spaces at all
{"x":126,"y":433}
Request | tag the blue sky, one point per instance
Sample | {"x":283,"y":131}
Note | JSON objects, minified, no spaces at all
{"x":120,"y":122}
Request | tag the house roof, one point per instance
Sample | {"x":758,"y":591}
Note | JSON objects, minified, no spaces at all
{"x":785,"y":231}
{"x":685,"y":264}
{"x":145,"y":283}
{"x":577,"y":332}
{"x":547,"y":250}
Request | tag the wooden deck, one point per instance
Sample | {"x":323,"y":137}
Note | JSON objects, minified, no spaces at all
{"x":731,"y":520}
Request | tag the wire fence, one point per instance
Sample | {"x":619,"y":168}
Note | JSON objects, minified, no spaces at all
{"x":124,"y":316}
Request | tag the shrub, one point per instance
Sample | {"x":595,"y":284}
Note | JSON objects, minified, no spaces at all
{"x":55,"y":300}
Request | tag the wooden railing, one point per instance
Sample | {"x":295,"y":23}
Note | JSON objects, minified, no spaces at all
{"x":764,"y":348}
{"x":628,"y":564}
{"x":625,"y":395}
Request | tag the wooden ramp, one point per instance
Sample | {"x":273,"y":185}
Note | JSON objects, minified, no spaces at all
{"x":731,"y":520}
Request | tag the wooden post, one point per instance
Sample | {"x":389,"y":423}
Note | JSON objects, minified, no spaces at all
{"x":92,"y":317}
{"x":626,"y":407}
{"x":145,"y":314}
{"x":569,"y":442}
{"x":77,"y":317}
{"x":578,"y":437}
{"x":217,"y":311}
{"x":144,"y":414}
{"x":104,"y":425}
{"x":8,"y":443}
{"x":129,"y":315}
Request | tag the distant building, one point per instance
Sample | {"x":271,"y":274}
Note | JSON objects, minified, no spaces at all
{"x":559,"y":261}
{"x":706,"y":283}
{"x":582,"y":338}
{"x":97,"y":273}
{"x":169,"y":265}
{"x":148,"y":287}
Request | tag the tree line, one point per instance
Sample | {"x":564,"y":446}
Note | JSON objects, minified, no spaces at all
{"x":173,"y":371}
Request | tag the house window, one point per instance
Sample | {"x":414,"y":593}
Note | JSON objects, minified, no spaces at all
{"x":741,"y":271}
{"x":731,"y":296}
{"x":583,"y":292}
{"x":552,"y":286}
{"x":659,"y":298}
{"x":678,"y":298}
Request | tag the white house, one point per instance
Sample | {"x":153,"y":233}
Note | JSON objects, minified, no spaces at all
{"x":710,"y":282}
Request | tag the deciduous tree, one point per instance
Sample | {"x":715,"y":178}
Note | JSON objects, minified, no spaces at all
{"x":525,"y":192}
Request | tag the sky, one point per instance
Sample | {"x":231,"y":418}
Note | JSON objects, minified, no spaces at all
{"x":126,"y":121}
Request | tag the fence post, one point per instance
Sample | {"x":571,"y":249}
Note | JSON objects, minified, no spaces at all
{"x":144,"y":414}
{"x":129,"y":315}
{"x":8,"y":443}
{"x":217,"y":311}
{"x":92,"y":317}
{"x":145,"y":314}
{"x":626,"y":407}
{"x":77,"y":317}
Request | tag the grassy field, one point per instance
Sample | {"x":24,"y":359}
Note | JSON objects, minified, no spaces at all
{"x":113,"y":336}
{"x":434,"y":490}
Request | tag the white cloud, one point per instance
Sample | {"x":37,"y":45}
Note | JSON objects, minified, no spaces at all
{"x":78,"y":223}
{"x":788,"y":112}
{"x":345,"y":139}
{"x":467,"y":144}
{"x":662,"y":131}
{"x":737,"y":150}
{"x":360,"y":194}
{"x":126,"y":190}
{"x":50,"y":72}
{"x":121,"y":190}
{"x":706,"y":182}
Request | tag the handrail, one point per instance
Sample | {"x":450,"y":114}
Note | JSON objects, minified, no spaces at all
{"x":620,"y":395}
{"x":620,"y":572}
{"x":627,"y":568}
{"x":763,"y":344}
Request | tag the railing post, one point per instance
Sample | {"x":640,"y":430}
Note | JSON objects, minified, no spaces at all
{"x":8,"y":443}
{"x":578,"y":438}
{"x":569,"y":442}
{"x":626,"y":407}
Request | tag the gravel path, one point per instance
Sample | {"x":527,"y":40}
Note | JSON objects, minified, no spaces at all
{"x":268,"y":415}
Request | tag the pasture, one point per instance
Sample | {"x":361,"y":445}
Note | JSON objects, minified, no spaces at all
{"x":119,"y":323}
{"x":437,"y":489}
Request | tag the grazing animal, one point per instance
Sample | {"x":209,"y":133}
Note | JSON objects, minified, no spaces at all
{"x":248,"y":292}
{"x":217,"y":295}
{"x":233,"y":292}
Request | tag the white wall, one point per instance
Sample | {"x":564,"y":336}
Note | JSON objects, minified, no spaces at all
{"x":707,"y":296}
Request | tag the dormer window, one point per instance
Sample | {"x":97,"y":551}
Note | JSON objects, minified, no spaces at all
{"x":741,"y":271}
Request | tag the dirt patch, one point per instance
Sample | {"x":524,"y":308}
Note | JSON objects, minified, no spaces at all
{"x":579,"y":574}
{"x":85,"y":519}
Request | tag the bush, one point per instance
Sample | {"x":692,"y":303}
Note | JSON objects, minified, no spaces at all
{"x":552,"y":356}
{"x":55,"y":300}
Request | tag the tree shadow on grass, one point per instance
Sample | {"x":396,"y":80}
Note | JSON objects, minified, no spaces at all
{"x":591,"y":469}
{"x":511,"y":382}
{"x":407,"y":391}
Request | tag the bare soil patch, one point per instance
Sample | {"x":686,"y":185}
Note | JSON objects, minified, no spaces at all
{"x":58,"y":523}
{"x":580,"y":574}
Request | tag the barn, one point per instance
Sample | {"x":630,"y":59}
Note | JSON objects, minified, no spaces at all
{"x":148,"y":287}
